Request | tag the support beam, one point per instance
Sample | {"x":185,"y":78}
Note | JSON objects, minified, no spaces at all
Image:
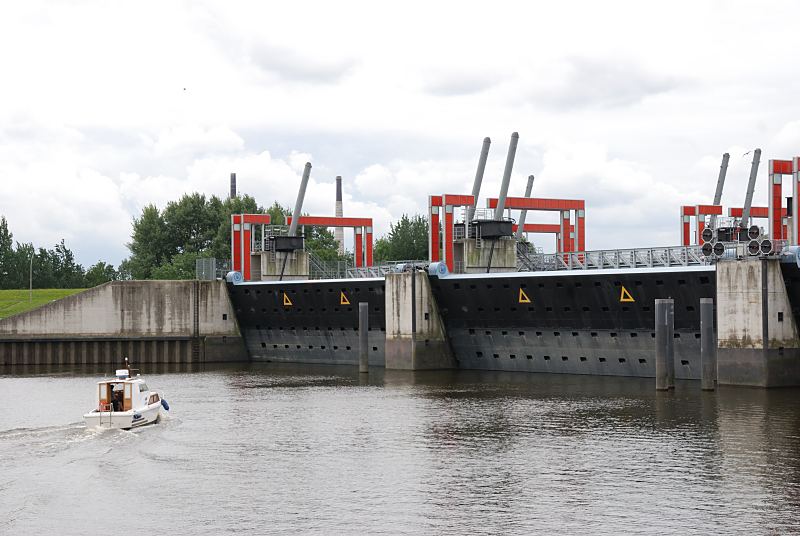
{"x":512,"y":151}
{"x":476,"y":184}
{"x":524,"y":212}
{"x":449,"y":254}
{"x":564,"y":232}
{"x":723,"y":170}
{"x":358,"y":249}
{"x":434,"y":214}
{"x":751,"y":185}
{"x":795,"y":200}
{"x":777,"y":169}
{"x":301,"y":194}
{"x":368,"y":240}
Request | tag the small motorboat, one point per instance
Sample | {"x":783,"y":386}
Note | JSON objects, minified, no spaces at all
{"x":125,"y":402}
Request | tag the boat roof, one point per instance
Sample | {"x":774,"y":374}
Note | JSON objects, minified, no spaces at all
{"x":137,"y":379}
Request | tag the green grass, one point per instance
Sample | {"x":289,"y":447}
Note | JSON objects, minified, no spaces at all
{"x":17,"y":301}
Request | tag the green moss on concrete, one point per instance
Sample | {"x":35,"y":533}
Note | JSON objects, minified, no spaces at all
{"x":18,"y":301}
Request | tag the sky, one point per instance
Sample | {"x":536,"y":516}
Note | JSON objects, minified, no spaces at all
{"x":106,"y":107}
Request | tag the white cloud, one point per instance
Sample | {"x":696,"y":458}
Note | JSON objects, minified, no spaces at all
{"x":108,"y":107}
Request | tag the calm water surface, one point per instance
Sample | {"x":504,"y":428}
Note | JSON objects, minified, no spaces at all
{"x":275,"y":449}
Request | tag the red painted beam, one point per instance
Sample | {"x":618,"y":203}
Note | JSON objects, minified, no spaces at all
{"x":709,"y":210}
{"x":689,"y":210}
{"x":780,"y":167}
{"x":332,"y":221}
{"x":538,"y":203}
{"x":458,"y":200}
{"x":436,"y":200}
{"x":550,"y":228}
{"x":262,"y":219}
{"x":755,"y":212}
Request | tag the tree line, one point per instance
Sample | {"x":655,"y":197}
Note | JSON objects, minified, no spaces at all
{"x":49,"y":268}
{"x":166,"y":243}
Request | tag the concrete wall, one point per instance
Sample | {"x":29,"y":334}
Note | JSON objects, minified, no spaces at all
{"x":161,"y":317}
{"x":296,"y":268}
{"x":476,"y":259}
{"x":757,"y":335}
{"x":426,"y":347}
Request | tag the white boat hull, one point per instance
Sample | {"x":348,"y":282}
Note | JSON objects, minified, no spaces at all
{"x":123,"y":420}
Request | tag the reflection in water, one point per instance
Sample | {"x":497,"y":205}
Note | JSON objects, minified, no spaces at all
{"x":267,"y":448}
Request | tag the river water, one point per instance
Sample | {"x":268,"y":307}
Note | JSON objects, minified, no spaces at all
{"x":280,"y":449}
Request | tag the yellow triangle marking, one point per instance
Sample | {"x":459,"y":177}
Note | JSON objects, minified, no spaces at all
{"x":523,"y":298}
{"x":286,"y":301}
{"x":625,"y":296}
{"x":343,"y":299}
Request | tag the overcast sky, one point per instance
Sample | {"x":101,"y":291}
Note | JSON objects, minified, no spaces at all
{"x":107,"y":106}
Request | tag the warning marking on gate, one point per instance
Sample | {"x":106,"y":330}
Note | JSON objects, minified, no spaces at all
{"x":286,"y":301}
{"x":523,"y":298}
{"x":343,"y":299}
{"x":625,"y":296}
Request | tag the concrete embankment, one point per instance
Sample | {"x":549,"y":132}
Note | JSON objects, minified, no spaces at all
{"x":146,"y":321}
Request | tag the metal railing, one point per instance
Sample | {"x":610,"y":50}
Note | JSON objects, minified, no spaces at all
{"x":631,"y":258}
{"x":382,"y":269}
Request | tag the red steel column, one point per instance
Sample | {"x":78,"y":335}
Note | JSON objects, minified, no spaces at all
{"x":581,"y":229}
{"x":686,"y":227}
{"x":795,"y":201}
{"x":368,"y":239}
{"x":434,"y":248}
{"x":775,"y":227}
{"x":701,"y":224}
{"x":236,"y":258}
{"x":358,"y":249}
{"x":448,"y":238}
{"x":565,"y":234}
{"x":246,"y":250}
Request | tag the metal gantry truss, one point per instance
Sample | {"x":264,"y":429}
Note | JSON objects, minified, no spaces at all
{"x":628,"y":258}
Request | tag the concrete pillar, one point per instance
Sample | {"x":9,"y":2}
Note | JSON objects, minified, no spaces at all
{"x":363,"y":337}
{"x":662,"y":334}
{"x":671,"y":343}
{"x":708,"y":346}
{"x":415,"y":334}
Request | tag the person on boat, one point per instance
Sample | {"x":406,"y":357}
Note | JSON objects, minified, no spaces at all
{"x":117,"y":401}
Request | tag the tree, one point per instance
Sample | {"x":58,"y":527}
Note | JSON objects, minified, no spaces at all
{"x":100,"y":273}
{"x":321,"y":242}
{"x":221,"y":244}
{"x":149,"y":243}
{"x":181,"y":266}
{"x":190,"y":223}
{"x":6,"y":255}
{"x":406,"y":240}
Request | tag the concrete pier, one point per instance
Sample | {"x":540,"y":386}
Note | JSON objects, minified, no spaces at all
{"x":708,"y":346}
{"x":148,"y":321}
{"x":661,"y":342}
{"x":757,"y":335}
{"x":415,"y":335}
{"x":670,"y":320}
{"x":363,"y":337}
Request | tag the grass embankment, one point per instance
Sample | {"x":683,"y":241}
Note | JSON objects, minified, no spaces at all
{"x":17,"y":301}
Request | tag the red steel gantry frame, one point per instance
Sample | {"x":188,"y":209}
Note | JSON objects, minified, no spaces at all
{"x":241,"y":240}
{"x":776,"y":214}
{"x":435,"y":204}
{"x":570,"y":241}
{"x":699,"y":212}
{"x":564,"y":231}
{"x":545,"y":228}
{"x":362,"y":228}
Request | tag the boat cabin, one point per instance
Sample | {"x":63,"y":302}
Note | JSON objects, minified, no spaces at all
{"x":124,"y":393}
